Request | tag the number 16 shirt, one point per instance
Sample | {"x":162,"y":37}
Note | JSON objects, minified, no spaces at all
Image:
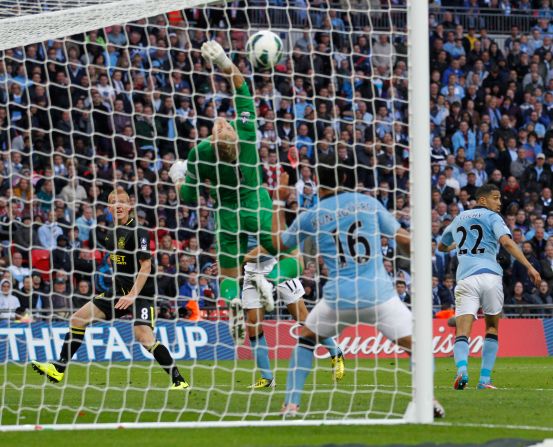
{"x":347,"y":228}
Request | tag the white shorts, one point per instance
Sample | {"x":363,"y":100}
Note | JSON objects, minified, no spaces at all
{"x":484,"y":290}
{"x":393,"y":318}
{"x":289,"y":292}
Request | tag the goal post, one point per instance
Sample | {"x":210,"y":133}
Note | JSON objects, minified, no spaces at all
{"x":136,"y":125}
{"x":421,"y":254}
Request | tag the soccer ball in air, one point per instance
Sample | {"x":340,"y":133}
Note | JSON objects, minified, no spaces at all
{"x":264,"y":49}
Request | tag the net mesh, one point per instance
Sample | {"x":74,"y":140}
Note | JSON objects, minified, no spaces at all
{"x":115,"y":107}
{"x":15,"y":8}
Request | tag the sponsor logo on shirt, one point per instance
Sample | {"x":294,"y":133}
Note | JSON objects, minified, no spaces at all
{"x":118,"y":259}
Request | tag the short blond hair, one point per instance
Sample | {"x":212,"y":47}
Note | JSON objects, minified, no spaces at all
{"x":225,"y":142}
{"x":119,"y":192}
{"x":227,"y":150}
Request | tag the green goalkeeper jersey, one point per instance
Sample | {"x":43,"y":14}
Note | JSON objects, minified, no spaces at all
{"x":231,"y":183}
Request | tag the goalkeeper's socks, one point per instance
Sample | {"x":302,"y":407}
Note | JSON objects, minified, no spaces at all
{"x":489,"y":353}
{"x":287,"y":268}
{"x":300,"y":367}
{"x":163,"y":357}
{"x":330,"y":344}
{"x":461,"y":354}
{"x":73,"y":341}
{"x":260,"y":349}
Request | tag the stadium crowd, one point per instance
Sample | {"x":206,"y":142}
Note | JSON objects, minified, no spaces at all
{"x":116,"y":107}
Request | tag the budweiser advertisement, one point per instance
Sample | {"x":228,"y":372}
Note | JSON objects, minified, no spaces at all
{"x":517,"y":338}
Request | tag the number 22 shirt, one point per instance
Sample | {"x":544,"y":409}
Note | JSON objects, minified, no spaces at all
{"x":476,"y":233}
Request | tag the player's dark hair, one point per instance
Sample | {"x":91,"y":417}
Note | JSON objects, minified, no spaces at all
{"x":486,"y":190}
{"x":329,"y":172}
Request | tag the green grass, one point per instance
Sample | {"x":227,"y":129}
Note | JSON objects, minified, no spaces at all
{"x":121,"y":394}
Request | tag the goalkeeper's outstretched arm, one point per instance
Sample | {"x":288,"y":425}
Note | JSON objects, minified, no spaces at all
{"x":186,"y":179}
{"x":214,"y":53}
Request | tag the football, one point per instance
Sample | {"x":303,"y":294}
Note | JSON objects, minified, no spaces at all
{"x":264,"y":49}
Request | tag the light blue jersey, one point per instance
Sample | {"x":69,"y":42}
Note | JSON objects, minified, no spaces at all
{"x":476,"y":233}
{"x":347,"y":227}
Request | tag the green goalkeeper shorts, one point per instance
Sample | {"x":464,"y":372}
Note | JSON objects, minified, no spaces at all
{"x":236,"y":224}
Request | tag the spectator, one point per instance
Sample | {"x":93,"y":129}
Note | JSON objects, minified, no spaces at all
{"x":438,"y":153}
{"x":401,"y":289}
{"x":543,"y":296}
{"x":61,"y":259}
{"x":384,"y":196}
{"x":86,"y":223}
{"x":447,"y":193}
{"x":440,"y":262}
{"x":83,"y":294}
{"x":511,"y":193}
{"x":46,"y":196}
{"x":305,"y":176}
{"x":16,"y":269}
{"x":538,"y":175}
{"x":387,"y":251}
{"x":189,"y":290}
{"x":446,"y":291}
{"x":103,"y":275}
{"x":8,"y":302}
{"x":435,"y":292}
{"x":73,"y":193}
{"x":520,"y":164}
{"x":308,"y":197}
{"x":383,"y":53}
{"x":58,"y":304}
{"x":49,"y":232}
{"x":520,"y":299}
{"x":519,"y":271}
{"x":547,"y":265}
{"x":25,"y":294}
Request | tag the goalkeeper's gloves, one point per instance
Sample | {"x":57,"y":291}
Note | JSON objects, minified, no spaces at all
{"x":178,"y":171}
{"x":213,"y":53}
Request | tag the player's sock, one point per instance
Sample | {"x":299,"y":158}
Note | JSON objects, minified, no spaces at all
{"x":287,"y":268}
{"x":461,"y":354}
{"x":301,"y":363}
{"x":489,"y":353}
{"x":331,"y":345}
{"x":163,"y":357}
{"x":260,"y":349}
{"x":71,"y":344}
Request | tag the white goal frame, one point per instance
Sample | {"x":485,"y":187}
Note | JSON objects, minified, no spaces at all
{"x":32,"y":28}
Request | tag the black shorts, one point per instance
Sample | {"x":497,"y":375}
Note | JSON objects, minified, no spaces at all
{"x":143,"y":310}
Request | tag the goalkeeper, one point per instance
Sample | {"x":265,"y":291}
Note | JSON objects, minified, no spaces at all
{"x":229,"y":162}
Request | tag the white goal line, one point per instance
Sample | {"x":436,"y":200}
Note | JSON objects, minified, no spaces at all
{"x":207,"y":424}
{"x":273,"y":423}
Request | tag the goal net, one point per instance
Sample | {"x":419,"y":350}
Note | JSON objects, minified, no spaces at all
{"x":97,"y":95}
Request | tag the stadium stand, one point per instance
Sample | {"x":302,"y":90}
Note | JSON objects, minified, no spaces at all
{"x":69,"y":134}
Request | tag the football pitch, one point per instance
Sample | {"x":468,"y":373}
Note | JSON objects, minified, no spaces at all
{"x":520,"y":408}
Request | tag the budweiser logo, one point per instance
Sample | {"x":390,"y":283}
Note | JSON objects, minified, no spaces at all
{"x":367,"y":344}
{"x":444,"y":344}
